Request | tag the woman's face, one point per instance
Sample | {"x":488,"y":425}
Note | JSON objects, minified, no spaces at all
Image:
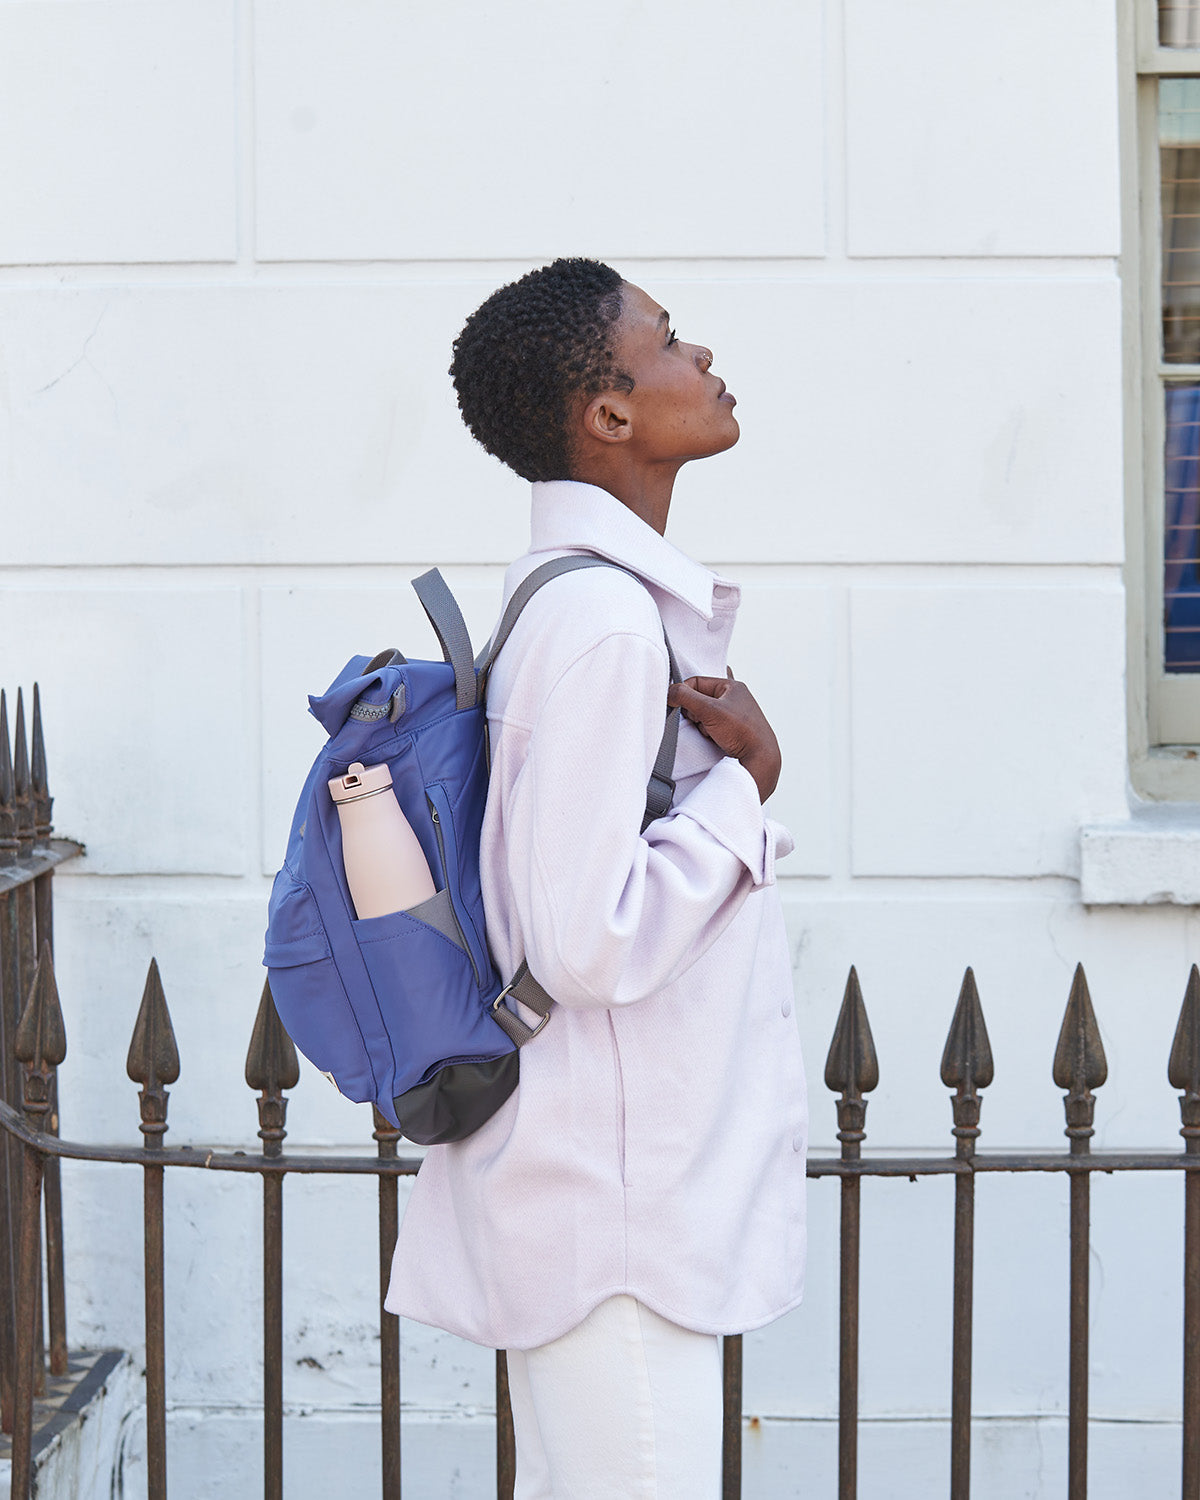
{"x":679,"y":409}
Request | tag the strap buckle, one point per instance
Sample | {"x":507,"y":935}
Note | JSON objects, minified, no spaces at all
{"x":499,"y":1000}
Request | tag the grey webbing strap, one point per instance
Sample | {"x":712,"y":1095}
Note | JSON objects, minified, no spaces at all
{"x":661,"y":787}
{"x":451,"y":629}
{"x":521,"y":597}
{"x":659,"y":790}
{"x":528,"y":991}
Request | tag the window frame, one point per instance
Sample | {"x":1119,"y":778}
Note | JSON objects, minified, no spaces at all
{"x":1164,"y":708}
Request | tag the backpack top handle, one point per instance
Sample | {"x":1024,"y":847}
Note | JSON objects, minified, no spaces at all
{"x":451,"y":629}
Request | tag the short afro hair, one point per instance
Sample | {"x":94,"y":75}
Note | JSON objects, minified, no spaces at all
{"x":528,"y":353}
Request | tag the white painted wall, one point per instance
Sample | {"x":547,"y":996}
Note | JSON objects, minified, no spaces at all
{"x":238,"y":237}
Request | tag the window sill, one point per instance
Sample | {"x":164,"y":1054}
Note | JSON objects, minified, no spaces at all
{"x":1151,"y":858}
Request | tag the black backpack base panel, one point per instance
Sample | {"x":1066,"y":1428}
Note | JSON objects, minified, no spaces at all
{"x":457,"y":1099}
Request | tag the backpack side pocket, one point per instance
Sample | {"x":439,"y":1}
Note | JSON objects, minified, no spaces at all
{"x":308,"y":990}
{"x":426,"y":988}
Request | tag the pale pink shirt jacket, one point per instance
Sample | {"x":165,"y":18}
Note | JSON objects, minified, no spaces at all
{"x":656,"y":1143}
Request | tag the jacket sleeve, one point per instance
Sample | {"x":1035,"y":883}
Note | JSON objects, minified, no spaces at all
{"x":611,"y":915}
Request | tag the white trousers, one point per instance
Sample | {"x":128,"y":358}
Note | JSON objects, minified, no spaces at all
{"x":626,"y":1406}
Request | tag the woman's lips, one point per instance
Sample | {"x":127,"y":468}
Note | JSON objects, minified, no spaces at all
{"x":724,"y":395}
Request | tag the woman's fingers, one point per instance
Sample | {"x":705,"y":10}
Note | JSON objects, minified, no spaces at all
{"x":721,"y":716}
{"x":691,"y":699}
{"x":711,"y":687}
{"x":726,"y":712}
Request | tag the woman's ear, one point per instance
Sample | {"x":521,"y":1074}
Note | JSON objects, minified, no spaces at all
{"x":608,"y":419}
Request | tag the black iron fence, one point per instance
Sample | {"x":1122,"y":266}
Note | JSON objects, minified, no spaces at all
{"x":33,"y":1044}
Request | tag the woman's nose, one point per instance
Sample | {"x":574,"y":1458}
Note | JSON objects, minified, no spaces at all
{"x":704,"y":357}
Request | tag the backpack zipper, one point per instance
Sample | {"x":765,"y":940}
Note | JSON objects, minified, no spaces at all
{"x":441,"y":843}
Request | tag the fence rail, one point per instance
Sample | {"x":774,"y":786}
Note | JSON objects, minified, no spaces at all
{"x":32,"y":1037}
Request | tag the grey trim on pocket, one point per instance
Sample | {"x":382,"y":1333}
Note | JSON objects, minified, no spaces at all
{"x":438,"y":913}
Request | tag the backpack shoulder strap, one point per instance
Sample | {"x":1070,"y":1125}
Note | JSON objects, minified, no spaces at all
{"x":660,"y":789}
{"x":525,"y":592}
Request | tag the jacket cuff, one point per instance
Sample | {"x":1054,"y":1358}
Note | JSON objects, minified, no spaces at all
{"x":784,"y":842}
{"x":725,"y":804}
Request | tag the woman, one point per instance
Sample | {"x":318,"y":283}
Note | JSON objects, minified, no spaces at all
{"x":642,"y":1193}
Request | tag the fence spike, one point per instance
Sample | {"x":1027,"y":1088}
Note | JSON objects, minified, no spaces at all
{"x":6,"y":766}
{"x":852,"y":1067}
{"x":967,"y":1064}
{"x":42,"y":800}
{"x":8,"y":807}
{"x":20,"y":748}
{"x":23,"y":800}
{"x":153,"y":1059}
{"x":271,"y":1067}
{"x":967,"y":1059}
{"x":271,"y":1061}
{"x":1183,"y":1069}
{"x":1079,"y":1062}
{"x":41,"y":1040}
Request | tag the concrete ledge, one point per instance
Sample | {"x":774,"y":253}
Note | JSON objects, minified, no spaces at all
{"x":216,"y":1454}
{"x":1151,"y":858}
{"x":79,"y":1427}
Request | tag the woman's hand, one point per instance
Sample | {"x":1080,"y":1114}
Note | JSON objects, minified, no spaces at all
{"x":725,"y":711}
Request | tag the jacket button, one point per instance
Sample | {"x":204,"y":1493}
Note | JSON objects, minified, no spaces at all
{"x":798,"y":1141}
{"x":785,"y":1009}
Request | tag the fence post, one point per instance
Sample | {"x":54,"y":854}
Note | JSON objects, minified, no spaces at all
{"x":966,"y":1068}
{"x":1183,"y":1072}
{"x":851,"y":1070}
{"x":1079,"y":1067}
{"x":10,"y":1010}
{"x":506,"y":1438}
{"x":27,"y":950}
{"x":43,"y":896}
{"x":41,"y":1044}
{"x":271,"y":1067}
{"x":386,"y":1137}
{"x":731,"y":1417}
{"x":153,"y":1062}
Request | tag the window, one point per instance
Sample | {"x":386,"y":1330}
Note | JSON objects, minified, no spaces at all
{"x":1154,"y":854}
{"x":1161,"y":266}
{"x":1179,"y":289}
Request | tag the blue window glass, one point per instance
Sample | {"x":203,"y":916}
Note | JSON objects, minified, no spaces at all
{"x":1181,"y":530}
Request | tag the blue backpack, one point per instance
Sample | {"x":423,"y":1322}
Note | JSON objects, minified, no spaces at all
{"x":406,"y":1010}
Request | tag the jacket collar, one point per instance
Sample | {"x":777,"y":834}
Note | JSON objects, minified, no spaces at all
{"x":573,"y":516}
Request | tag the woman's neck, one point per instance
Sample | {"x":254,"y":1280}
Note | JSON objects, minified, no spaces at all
{"x":644,"y":491}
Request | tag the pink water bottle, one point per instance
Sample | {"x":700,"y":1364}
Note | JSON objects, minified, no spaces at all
{"x":386,"y":868}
